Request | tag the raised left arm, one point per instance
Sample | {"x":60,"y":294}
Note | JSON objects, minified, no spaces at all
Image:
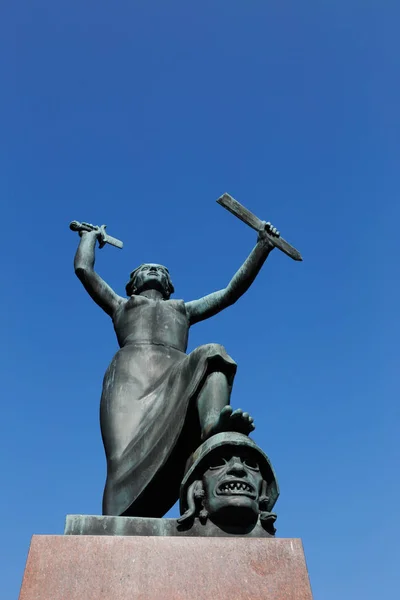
{"x":210,"y":305}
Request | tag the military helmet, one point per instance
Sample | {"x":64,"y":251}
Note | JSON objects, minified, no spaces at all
{"x":197,"y":464}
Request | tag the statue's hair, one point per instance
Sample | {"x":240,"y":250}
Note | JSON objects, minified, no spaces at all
{"x":130,"y":286}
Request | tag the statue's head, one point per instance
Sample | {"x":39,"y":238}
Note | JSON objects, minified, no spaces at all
{"x":150,"y":276}
{"x":230,"y":481}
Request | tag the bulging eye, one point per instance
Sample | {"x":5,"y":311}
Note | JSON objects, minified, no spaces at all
{"x":251,"y":464}
{"x":217,"y":463}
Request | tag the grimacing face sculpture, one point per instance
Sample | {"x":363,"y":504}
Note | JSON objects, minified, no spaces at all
{"x":230,"y":482}
{"x":232,"y":487}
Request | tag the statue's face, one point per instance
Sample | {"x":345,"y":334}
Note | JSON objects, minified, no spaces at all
{"x":232,"y":486}
{"x":152,"y":276}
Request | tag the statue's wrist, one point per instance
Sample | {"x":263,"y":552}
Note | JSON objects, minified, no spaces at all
{"x":88,"y":238}
{"x":266,"y":245}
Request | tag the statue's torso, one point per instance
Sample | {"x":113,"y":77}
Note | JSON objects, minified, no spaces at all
{"x":141,"y":320}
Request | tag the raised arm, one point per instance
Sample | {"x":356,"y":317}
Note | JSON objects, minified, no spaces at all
{"x":210,"y":305}
{"x":96,"y":287}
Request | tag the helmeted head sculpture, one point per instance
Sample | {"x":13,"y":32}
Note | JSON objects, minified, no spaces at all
{"x":150,"y":276}
{"x":230,"y":481}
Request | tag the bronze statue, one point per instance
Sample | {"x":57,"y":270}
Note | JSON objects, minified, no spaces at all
{"x":159,"y":404}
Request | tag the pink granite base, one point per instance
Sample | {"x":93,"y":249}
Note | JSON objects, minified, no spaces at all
{"x":164,"y":568}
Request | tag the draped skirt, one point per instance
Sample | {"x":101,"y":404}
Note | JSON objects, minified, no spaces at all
{"x":149,"y":422}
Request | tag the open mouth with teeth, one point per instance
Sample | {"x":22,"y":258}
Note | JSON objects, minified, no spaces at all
{"x":236,"y":488}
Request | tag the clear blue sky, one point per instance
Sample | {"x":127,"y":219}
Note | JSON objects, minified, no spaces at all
{"x":139,"y":115}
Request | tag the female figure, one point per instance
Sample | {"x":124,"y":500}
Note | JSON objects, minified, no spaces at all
{"x":158,"y":403}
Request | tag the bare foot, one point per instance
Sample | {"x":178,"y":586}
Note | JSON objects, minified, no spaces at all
{"x":231,"y":420}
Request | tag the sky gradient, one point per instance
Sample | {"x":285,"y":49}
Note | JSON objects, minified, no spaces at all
{"x":140,"y":115}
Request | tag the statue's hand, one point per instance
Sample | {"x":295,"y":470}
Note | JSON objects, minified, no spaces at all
{"x":94,"y":231}
{"x":268,"y":229}
{"x":89,"y":229}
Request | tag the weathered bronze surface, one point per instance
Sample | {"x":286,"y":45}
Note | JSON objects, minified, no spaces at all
{"x":229,"y":489}
{"x":158,"y":403}
{"x":102,"y":236}
{"x":147,"y":526}
{"x":229,"y":481}
{"x":247,"y":217}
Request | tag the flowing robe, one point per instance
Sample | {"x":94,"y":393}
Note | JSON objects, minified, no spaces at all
{"x":148,"y":411}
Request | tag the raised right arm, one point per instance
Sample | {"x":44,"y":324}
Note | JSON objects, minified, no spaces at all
{"x":96,"y":287}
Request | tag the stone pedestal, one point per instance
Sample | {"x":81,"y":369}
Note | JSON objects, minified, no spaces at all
{"x":164,"y":568}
